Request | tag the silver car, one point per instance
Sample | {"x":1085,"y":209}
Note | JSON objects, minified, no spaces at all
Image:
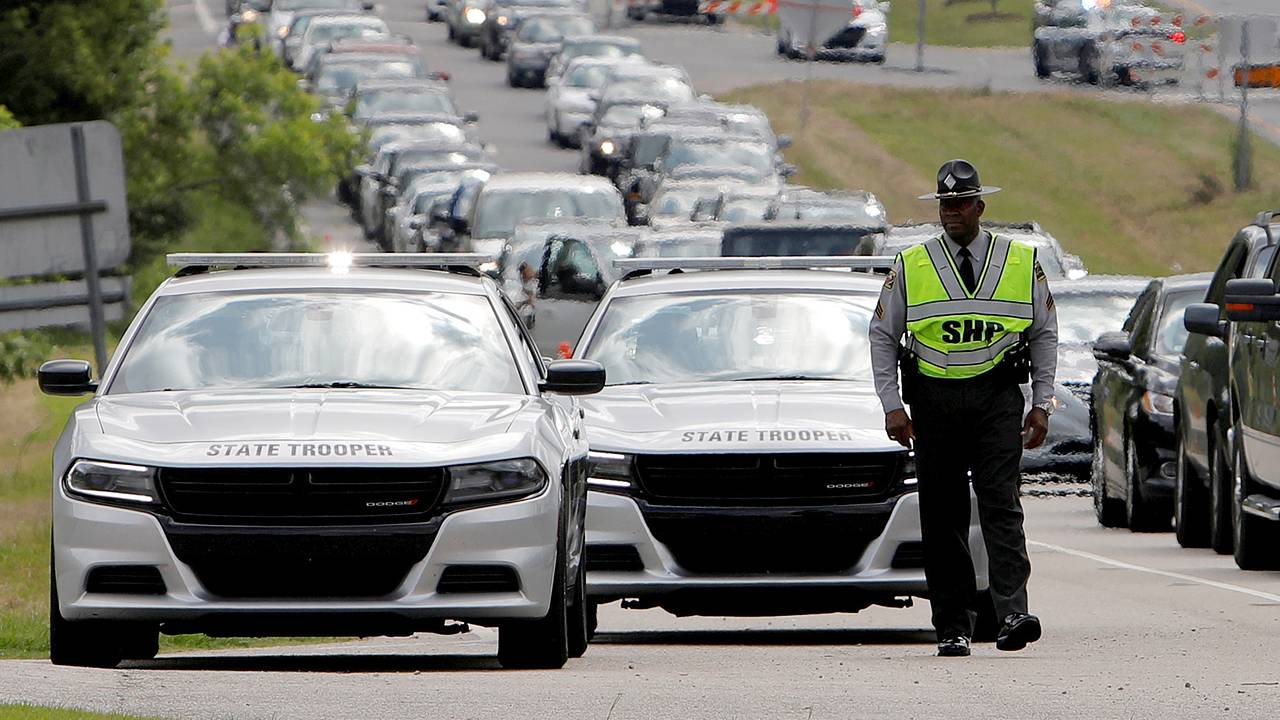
{"x":571,"y":97}
{"x":739,"y":464}
{"x":320,"y":447}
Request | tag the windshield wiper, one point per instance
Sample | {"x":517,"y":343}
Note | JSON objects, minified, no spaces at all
{"x":344,"y":385}
{"x":630,"y":382}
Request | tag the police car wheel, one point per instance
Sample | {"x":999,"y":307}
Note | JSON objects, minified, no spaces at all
{"x":1040,"y":59}
{"x":96,"y":643}
{"x":542,"y":643}
{"x":581,"y":611}
{"x":1255,"y":537}
{"x":1141,"y":513}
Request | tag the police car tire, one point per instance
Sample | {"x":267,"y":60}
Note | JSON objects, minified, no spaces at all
{"x":453,"y":34}
{"x":1190,"y":501}
{"x":1040,"y":61}
{"x":543,"y":643}
{"x":580,"y":612}
{"x":1255,"y":537}
{"x":1109,"y":511}
{"x":79,"y":644}
{"x":1221,"y":537}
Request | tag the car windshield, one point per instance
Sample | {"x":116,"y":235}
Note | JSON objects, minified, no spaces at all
{"x":313,"y":4}
{"x":252,"y":340}
{"x":1083,"y":316}
{"x":499,"y":211}
{"x":678,"y":203}
{"x":680,"y":247}
{"x":600,"y":48}
{"x":723,"y":336}
{"x":455,"y":156}
{"x":328,"y":32}
{"x":754,"y":156}
{"x":628,"y":115}
{"x":553,"y":29}
{"x":340,"y":77}
{"x":380,"y":101}
{"x":587,"y":76}
{"x":666,"y":90}
{"x":781,"y":241}
{"x":854,"y":214}
{"x":428,"y":131}
{"x":1172,"y":335}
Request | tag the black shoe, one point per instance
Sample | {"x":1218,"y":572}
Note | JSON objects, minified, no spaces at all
{"x":957,"y":646}
{"x":1018,"y":631}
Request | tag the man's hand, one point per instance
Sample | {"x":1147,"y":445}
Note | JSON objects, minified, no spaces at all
{"x":1035,"y":428}
{"x":898,"y":426}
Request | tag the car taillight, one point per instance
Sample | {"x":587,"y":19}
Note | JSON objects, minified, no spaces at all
{"x":1178,"y":36}
{"x":857,"y":10}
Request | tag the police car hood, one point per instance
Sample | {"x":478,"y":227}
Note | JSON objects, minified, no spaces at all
{"x":754,"y":416}
{"x":310,"y":424}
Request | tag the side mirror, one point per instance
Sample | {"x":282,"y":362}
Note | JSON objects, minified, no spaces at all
{"x":368,"y":5}
{"x":784,"y":141}
{"x":471,"y":118}
{"x":68,"y":377}
{"x":1203,"y":318}
{"x":573,"y":377}
{"x":1113,"y":346}
{"x":1252,"y":300}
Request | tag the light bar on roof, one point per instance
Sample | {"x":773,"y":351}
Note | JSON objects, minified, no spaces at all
{"x":329,"y":260}
{"x":790,"y":262}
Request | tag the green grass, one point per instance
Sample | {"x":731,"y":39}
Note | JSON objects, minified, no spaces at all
{"x":963,"y":23}
{"x":1132,"y":187}
{"x":32,"y":712}
{"x":29,"y":427}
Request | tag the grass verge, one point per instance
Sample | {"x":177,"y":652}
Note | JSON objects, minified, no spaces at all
{"x":963,"y":23}
{"x":34,"y":712}
{"x":29,"y":428}
{"x":1130,"y":186}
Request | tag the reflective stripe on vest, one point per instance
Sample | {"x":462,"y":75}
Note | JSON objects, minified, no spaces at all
{"x":958,"y":335}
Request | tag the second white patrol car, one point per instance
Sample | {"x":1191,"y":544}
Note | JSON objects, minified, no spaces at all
{"x":739,"y":460}
{"x":313,"y":446}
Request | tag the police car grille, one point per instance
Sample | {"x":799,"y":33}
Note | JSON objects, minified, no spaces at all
{"x":331,"y":496}
{"x":803,"y":478}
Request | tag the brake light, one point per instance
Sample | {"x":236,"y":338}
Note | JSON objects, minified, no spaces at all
{"x":857,"y":10}
{"x":1178,"y":36}
{"x":566,"y":350}
{"x":1240,"y":307}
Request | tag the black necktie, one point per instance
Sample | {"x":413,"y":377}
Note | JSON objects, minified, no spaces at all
{"x":966,"y":269}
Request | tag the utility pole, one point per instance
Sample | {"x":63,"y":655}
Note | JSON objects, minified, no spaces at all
{"x":920,"y":38}
{"x":811,"y":56}
{"x":1242,"y":157}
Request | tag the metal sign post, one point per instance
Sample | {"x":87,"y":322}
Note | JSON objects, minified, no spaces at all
{"x":920,"y":38}
{"x":1242,"y":161}
{"x":96,"y":323}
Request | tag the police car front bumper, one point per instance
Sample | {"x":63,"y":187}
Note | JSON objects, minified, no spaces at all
{"x":889,"y":566}
{"x":519,"y":536}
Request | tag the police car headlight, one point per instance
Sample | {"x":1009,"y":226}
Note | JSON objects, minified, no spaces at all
{"x":1155,"y":403}
{"x":493,"y":482}
{"x":475,"y":16}
{"x":111,"y":481}
{"x":607,"y":147}
{"x":609,"y":471}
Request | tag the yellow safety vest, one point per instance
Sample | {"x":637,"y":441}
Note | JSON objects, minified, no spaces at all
{"x":955,"y":334}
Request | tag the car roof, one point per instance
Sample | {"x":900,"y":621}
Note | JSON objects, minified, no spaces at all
{"x":617,"y":39}
{"x":416,"y":84}
{"x":315,"y":278}
{"x":1187,"y":281}
{"x":547,"y":181}
{"x":1127,"y":284}
{"x":798,"y":280}
{"x":373,"y":48}
{"x":397,"y":117}
{"x":341,"y":17}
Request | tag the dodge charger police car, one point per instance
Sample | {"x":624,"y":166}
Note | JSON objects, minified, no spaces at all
{"x":320,"y":449}
{"x":739,"y":464}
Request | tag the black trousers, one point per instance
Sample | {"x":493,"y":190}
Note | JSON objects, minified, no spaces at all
{"x":962,"y":426}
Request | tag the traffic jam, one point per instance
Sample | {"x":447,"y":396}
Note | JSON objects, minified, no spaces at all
{"x":532,"y":396}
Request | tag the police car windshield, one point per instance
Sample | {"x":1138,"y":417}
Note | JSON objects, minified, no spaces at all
{"x":255,"y":340}
{"x":499,"y":212}
{"x":734,"y":336}
{"x":1082,"y":317}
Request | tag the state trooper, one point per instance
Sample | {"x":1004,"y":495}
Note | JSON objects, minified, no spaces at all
{"x":978,"y":320}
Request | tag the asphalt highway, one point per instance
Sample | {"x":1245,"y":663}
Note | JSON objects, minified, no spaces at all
{"x":1134,"y":626}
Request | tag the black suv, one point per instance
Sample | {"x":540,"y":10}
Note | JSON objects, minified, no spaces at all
{"x":1253,"y":307}
{"x":1133,"y":445}
{"x":1202,"y":493}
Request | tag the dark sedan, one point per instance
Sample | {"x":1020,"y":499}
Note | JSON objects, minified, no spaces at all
{"x":1133,"y":407}
{"x":537,"y":40}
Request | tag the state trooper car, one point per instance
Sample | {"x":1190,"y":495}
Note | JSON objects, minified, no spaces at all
{"x":739,"y":464}
{"x":316,"y":445}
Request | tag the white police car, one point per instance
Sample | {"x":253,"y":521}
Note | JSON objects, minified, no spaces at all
{"x":314,"y":445}
{"x":739,"y":460}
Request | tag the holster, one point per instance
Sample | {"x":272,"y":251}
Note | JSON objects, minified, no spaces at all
{"x":909,"y":372}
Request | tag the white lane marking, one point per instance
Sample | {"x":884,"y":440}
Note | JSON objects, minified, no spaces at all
{"x":205,"y":17}
{"x":1164,"y":573}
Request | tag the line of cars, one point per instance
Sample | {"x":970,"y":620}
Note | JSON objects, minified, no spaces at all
{"x":1185,"y":406}
{"x":1107,"y":42}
